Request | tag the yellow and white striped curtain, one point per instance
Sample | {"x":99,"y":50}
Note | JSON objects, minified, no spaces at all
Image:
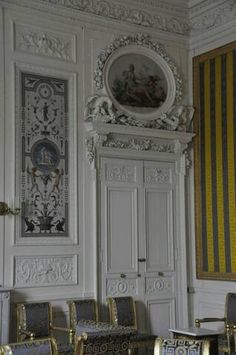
{"x":215,"y":162}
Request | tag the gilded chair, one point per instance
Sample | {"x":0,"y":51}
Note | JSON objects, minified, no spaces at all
{"x":112,"y":344}
{"x":34,"y":321}
{"x":45,"y":346}
{"x":226,"y":341}
{"x":181,"y":346}
{"x":82,"y":309}
{"x":122,"y":311}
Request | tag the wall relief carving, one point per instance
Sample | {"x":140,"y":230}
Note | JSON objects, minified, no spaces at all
{"x":214,"y":17}
{"x":121,"y":173}
{"x":135,"y":15}
{"x":38,"y":271}
{"x":121,"y":288}
{"x":31,"y":40}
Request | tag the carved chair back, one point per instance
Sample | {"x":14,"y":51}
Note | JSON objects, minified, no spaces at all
{"x":83,"y":309}
{"x":122,"y":311}
{"x":34,"y":320}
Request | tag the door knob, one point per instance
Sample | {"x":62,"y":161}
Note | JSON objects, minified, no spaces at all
{"x":123,"y":276}
{"x":139,"y":275}
{"x":141,"y":260}
{"x":160,"y":273}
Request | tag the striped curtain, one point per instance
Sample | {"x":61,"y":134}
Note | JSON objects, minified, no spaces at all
{"x":215,"y":162}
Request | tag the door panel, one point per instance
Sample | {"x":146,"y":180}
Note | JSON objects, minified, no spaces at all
{"x":159,"y":230}
{"x":161,"y":315}
{"x":121,"y":251}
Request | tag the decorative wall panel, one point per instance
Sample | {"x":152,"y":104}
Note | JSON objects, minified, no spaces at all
{"x":117,"y":287}
{"x":215,"y":162}
{"x":44,"y":42}
{"x":44,"y":145}
{"x":44,"y":271}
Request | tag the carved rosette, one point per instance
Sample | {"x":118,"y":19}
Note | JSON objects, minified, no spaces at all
{"x":157,"y":285}
{"x":121,"y":287}
{"x":44,"y":271}
{"x":153,"y":175}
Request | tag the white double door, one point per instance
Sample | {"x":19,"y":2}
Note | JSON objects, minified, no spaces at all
{"x":139,"y":212}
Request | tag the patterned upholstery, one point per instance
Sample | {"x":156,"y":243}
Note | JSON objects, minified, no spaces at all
{"x":45,"y":346}
{"x":226,"y":342}
{"x":34,"y":320}
{"x":122,"y":312}
{"x":84,"y":309}
{"x":102,"y":344}
{"x":181,"y":347}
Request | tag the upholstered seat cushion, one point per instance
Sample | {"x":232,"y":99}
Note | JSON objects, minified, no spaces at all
{"x":106,"y":344}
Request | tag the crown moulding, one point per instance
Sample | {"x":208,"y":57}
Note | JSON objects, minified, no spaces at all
{"x":183,"y":18}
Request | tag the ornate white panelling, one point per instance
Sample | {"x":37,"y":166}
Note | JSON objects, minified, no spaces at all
{"x":214,"y":17}
{"x":120,"y":173}
{"x":101,"y":109}
{"x":121,"y":287}
{"x":156,"y":286}
{"x":153,"y":175}
{"x":44,"y":271}
{"x":138,"y":144}
{"x":44,"y":42}
{"x":135,"y":14}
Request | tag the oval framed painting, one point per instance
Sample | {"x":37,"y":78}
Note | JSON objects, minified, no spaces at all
{"x":139,"y":82}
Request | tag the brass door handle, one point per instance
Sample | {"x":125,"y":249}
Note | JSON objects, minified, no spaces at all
{"x":123,"y":276}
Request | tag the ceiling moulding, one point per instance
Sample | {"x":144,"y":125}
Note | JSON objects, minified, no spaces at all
{"x":178,"y":8}
{"x":216,"y":15}
{"x":125,"y":13}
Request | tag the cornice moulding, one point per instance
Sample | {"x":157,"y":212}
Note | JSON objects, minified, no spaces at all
{"x":182,"y":18}
{"x":215,"y":17}
{"x":102,"y":128}
{"x":130,"y":14}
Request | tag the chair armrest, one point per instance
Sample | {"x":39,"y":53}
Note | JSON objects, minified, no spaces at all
{"x":29,"y":334}
{"x":67,"y":330}
{"x":198,"y":321}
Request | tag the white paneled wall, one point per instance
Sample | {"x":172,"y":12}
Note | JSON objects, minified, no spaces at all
{"x":80,"y":34}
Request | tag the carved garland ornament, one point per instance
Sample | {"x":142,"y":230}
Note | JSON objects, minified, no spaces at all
{"x":139,"y":39}
{"x":44,"y":43}
{"x":117,"y":11}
